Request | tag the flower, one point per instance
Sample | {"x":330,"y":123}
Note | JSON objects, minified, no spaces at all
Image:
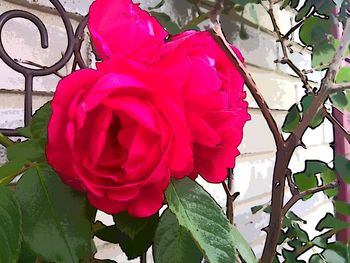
{"x":111,"y":19}
{"x":212,"y":90}
{"x":121,"y":137}
{"x":120,"y":132}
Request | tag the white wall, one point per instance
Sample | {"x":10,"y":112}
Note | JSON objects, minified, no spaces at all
{"x":253,"y":172}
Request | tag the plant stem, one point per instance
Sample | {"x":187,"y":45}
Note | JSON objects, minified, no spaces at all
{"x":194,"y":22}
{"x":8,"y":179}
{"x":337,"y":125}
{"x":278,"y":184}
{"x":325,"y":235}
{"x":300,"y":195}
{"x":79,"y":39}
{"x":250,"y":83}
{"x":340,"y":87}
{"x":5,"y":141}
{"x":143,"y":258}
{"x":283,"y":157}
{"x":229,"y":196}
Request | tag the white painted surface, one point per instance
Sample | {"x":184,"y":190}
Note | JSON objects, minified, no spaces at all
{"x":253,"y":172}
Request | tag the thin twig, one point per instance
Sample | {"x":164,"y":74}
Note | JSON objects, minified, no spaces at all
{"x":250,"y":83}
{"x":230,"y":197}
{"x":199,"y":19}
{"x":337,"y":124}
{"x":79,"y":39}
{"x":229,"y":201}
{"x":227,"y":190}
{"x":31,"y":63}
{"x":285,"y":59}
{"x":8,"y":179}
{"x":309,"y":245}
{"x":299,"y":24}
{"x":340,"y":87}
{"x":292,"y":186}
{"x":311,"y":191}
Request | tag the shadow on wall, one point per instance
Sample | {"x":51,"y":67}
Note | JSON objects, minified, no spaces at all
{"x":256,"y":42}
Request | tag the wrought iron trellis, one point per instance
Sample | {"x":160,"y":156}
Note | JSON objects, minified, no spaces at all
{"x":75,"y":40}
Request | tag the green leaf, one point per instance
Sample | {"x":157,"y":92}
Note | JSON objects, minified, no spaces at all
{"x":40,"y":122}
{"x":28,"y":150}
{"x":197,"y":212}
{"x":133,"y":248}
{"x":26,"y":256}
{"x":166,"y":22}
{"x":307,"y":179}
{"x":315,"y":167}
{"x":316,"y":33}
{"x":328,"y":176}
{"x":25,"y":132}
{"x":292,"y":3}
{"x":10,"y":170}
{"x":305,"y":104}
{"x":324,"y":8}
{"x":33,"y":149}
{"x":342,"y":250}
{"x":109,"y":234}
{"x":10,"y":226}
{"x":268,"y":209}
{"x":289,"y":256}
{"x":342,"y":207}
{"x":323,"y":54}
{"x":343,"y":75}
{"x":56,"y":224}
{"x":244,"y":2}
{"x":291,"y":219}
{"x":132,"y":226}
{"x":342,"y":166}
{"x":173,"y":243}
{"x":299,"y":234}
{"x":329,"y":221}
{"x":320,"y":241}
{"x":339,"y":100}
{"x":256,"y":209}
{"x":335,"y":252}
{"x":292,"y":119}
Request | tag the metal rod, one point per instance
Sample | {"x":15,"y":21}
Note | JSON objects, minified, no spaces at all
{"x":30,"y":73}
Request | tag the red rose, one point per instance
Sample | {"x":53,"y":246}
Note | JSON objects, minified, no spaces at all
{"x":120,"y":132}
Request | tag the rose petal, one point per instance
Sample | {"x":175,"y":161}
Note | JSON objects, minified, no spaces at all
{"x":147,"y":203}
{"x":106,"y":204}
{"x":120,"y":28}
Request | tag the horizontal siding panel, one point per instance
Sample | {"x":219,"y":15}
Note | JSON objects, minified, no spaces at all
{"x":279,"y":91}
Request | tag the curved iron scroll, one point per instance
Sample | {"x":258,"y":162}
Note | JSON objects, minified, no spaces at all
{"x":75,"y":40}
